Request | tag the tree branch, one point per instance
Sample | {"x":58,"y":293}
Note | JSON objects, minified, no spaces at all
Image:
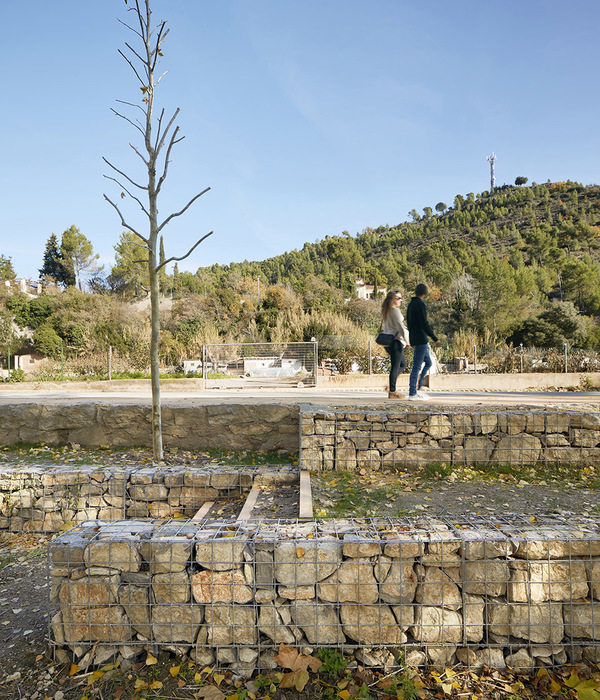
{"x":183,"y":257}
{"x":110,"y":165}
{"x":179,"y":213}
{"x":142,"y":207}
{"x":123,"y":222}
{"x":129,"y":121}
{"x":172,"y":142}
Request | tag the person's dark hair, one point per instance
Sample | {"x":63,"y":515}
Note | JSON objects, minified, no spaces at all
{"x":387,"y":302}
{"x":421,"y":290}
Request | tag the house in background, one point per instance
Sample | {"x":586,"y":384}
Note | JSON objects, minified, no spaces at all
{"x":29,"y":287}
{"x":366,"y":291}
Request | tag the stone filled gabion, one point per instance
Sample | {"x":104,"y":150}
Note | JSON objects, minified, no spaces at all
{"x":365,"y":439}
{"x":506,"y":592}
{"x":48,"y":498}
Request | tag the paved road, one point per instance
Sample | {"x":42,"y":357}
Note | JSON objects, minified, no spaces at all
{"x":325,"y":397}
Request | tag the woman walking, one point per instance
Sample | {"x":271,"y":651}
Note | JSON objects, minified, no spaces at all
{"x":393,"y":322}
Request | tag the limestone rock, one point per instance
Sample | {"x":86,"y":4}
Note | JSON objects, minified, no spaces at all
{"x":101,"y":624}
{"x":319,"y":623}
{"x":134,"y":600}
{"x":371,"y":625}
{"x":220,"y":554}
{"x":114,"y":554}
{"x":176,"y":623}
{"x":173,"y":587}
{"x":305,"y":562}
{"x":353,"y":582}
{"x":220,"y":587}
{"x":437,"y":625}
{"x":537,"y":622}
{"x":437,"y":588}
{"x":400,"y":584}
{"x":90,"y":590}
{"x":582,"y":620}
{"x":517,"y":449}
{"x":486,"y":577}
{"x":230,"y":624}
{"x":538,"y":581}
{"x":271,"y":624}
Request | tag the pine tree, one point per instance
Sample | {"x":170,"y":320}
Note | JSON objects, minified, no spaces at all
{"x":53,"y":266}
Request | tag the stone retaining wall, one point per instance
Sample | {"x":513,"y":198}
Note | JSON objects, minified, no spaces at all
{"x":259,"y":427}
{"x":359,"y":438}
{"x":46,"y":499}
{"x":499,"y":592}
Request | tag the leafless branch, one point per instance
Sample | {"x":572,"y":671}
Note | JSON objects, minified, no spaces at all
{"x":123,"y":222}
{"x":110,"y":165}
{"x":132,"y":66}
{"x":131,"y":29}
{"x":166,"y":131}
{"x":172,"y":142}
{"x":129,"y":121}
{"x":179,"y":213}
{"x":135,"y":150}
{"x":142,"y":207}
{"x":183,"y":257}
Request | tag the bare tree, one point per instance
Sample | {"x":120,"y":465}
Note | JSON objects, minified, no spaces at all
{"x":155,"y":155}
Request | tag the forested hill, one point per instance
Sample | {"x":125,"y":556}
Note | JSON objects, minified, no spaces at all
{"x":491,"y":260}
{"x":515,"y":265}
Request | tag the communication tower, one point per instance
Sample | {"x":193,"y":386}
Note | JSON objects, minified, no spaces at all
{"x":492,"y":160}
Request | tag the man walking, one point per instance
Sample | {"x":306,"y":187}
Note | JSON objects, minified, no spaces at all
{"x":418,"y":330}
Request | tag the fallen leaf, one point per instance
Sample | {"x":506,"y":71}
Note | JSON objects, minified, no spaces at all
{"x":73,"y":670}
{"x":174,"y":670}
{"x":151,"y":660}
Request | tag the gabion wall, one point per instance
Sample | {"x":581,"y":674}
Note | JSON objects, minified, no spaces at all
{"x":46,"y":499}
{"x":356,"y":439}
{"x":386,"y":591}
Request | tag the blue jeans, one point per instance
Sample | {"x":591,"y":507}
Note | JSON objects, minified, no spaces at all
{"x":421,"y":358}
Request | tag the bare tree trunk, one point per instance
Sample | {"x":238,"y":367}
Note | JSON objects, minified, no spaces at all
{"x":166,"y":135}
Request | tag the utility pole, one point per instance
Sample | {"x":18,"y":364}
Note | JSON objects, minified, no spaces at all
{"x":492,"y":161}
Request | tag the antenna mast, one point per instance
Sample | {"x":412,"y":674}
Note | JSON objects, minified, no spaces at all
{"x":492,"y":160}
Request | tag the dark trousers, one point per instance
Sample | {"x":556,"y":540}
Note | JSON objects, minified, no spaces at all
{"x":398,"y":361}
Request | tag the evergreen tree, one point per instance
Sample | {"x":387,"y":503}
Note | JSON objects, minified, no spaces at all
{"x":7,"y":271}
{"x":54,"y":264}
{"x":78,"y":255}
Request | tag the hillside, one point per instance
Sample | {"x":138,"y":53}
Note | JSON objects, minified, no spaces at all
{"x":492,"y":260}
{"x":516,"y":265}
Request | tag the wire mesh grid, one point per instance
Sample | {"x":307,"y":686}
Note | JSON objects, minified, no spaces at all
{"x":385,"y":591}
{"x":260,"y":364}
{"x":50,"y":498}
{"x":403,"y":438}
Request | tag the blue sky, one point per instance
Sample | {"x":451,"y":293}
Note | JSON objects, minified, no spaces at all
{"x":306,"y":118}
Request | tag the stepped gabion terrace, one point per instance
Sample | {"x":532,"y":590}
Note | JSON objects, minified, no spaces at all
{"x":141,"y":568}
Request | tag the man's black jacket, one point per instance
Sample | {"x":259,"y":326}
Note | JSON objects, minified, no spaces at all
{"x":418,"y":325}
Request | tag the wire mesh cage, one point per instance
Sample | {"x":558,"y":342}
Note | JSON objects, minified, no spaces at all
{"x":429,"y":592}
{"x":353,"y":439}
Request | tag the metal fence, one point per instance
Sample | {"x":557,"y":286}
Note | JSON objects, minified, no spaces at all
{"x":502,"y":591}
{"x":259,"y":365}
{"x":506,"y":360}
